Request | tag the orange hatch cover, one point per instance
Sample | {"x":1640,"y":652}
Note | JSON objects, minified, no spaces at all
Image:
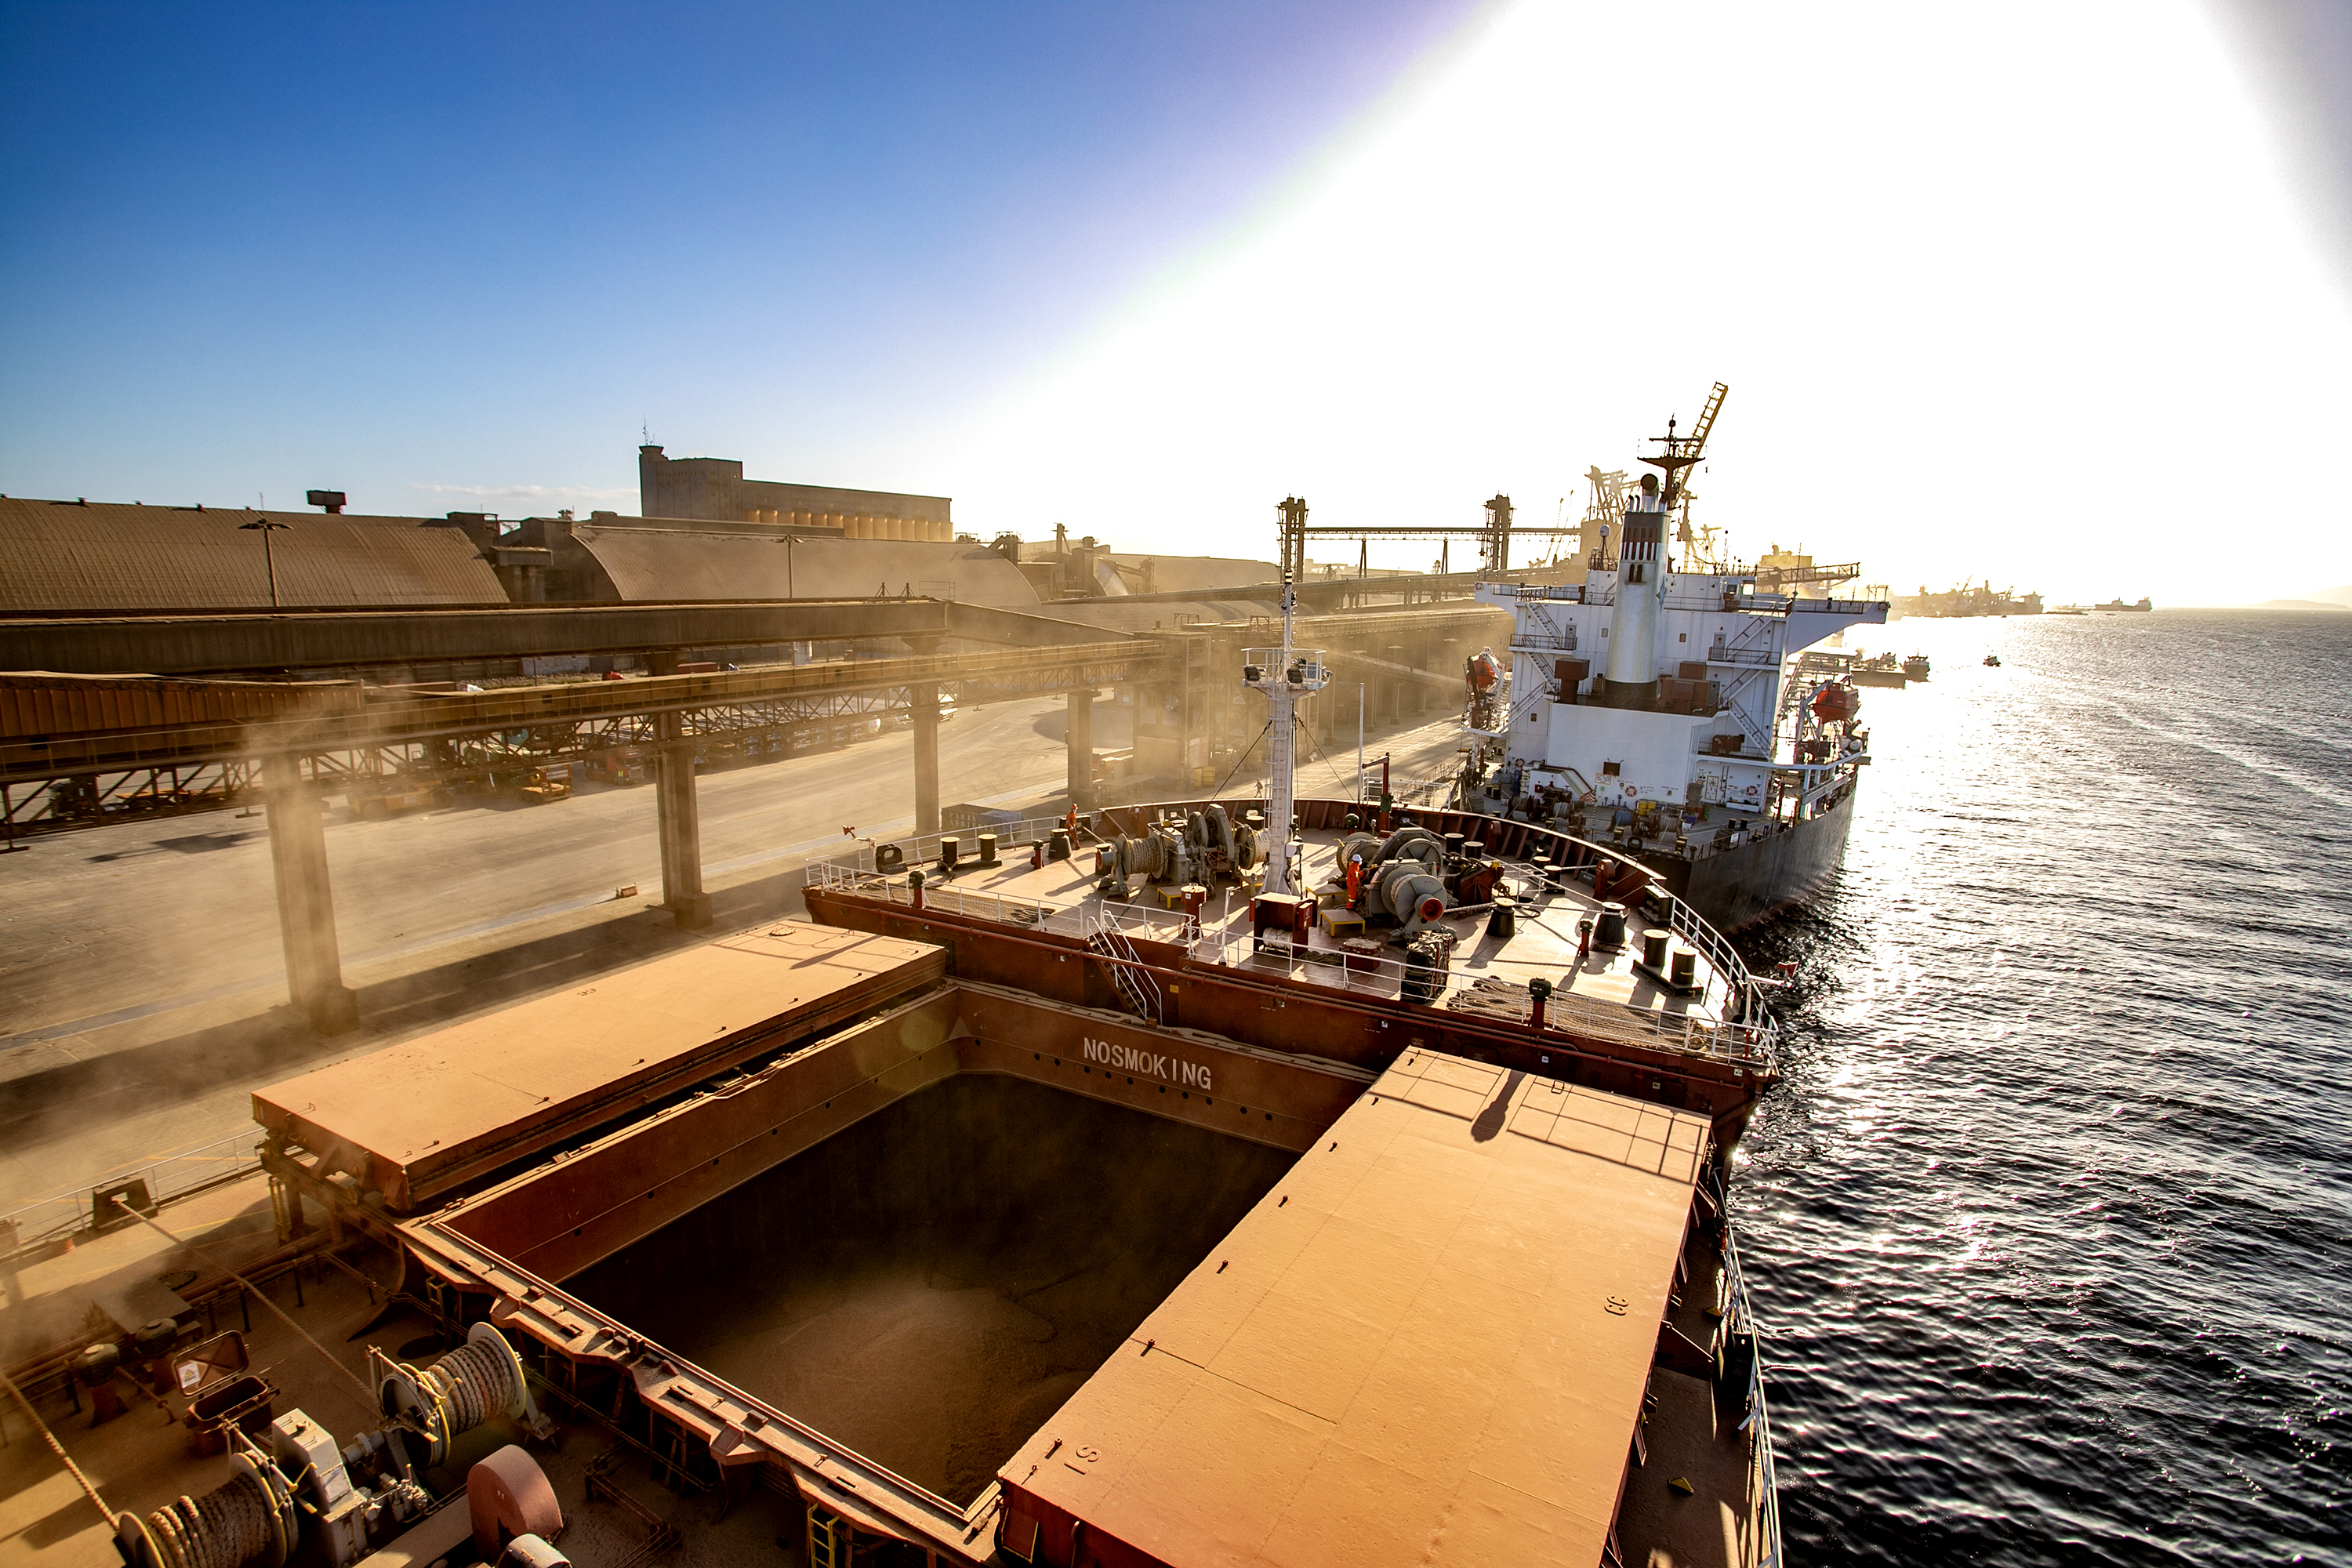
{"x":416,"y":1120}
{"x":1428,"y":1343}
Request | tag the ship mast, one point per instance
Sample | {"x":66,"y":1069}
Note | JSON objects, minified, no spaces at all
{"x":1284,"y":674}
{"x":1282,"y":743}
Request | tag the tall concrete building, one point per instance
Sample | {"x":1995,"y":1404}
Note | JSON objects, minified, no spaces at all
{"x":714,"y":490}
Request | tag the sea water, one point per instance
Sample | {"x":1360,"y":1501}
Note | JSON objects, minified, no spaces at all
{"x":2050,"y":1223}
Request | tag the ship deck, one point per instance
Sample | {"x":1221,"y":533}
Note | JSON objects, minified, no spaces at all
{"x":1436,"y":1338}
{"x":1607,"y":992}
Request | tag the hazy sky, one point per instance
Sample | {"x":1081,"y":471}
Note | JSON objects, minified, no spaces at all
{"x":2058,"y":293}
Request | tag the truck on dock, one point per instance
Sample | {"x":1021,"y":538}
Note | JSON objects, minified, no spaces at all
{"x":374,"y":797}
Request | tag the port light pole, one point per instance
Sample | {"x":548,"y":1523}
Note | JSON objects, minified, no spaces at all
{"x":269,"y":557}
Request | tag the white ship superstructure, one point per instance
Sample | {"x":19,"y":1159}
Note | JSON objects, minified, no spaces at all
{"x":1649,"y":704}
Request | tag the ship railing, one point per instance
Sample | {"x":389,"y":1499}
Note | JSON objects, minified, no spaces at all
{"x":1423,"y":793}
{"x":174,"y":1176}
{"x":1764,"y":1547}
{"x":1706,"y":941}
{"x":1748,"y":1035}
{"x":1709,"y":942}
{"x":1403,"y":792}
{"x":1687,"y":1033}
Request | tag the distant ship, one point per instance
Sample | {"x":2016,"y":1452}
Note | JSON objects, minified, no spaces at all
{"x":2118,"y":607}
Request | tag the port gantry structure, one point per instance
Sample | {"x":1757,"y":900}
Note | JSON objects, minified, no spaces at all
{"x":121,"y":716}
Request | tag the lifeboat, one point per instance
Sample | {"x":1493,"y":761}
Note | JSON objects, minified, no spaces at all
{"x":1836,"y":701}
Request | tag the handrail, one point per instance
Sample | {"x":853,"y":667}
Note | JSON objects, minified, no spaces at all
{"x":173,"y":1176}
{"x":1686,"y":922}
{"x":923,"y":849}
{"x":1763,"y":1479}
{"x":1740,"y":1041}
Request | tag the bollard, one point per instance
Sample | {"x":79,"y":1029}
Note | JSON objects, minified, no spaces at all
{"x":1196,"y":899}
{"x":987,"y":842}
{"x":94,"y":1370}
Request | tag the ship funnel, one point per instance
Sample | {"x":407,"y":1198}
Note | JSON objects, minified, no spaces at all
{"x":1631,"y":670}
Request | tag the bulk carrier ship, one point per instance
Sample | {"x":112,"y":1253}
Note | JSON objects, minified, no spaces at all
{"x":1284,"y":1180}
{"x":1652,"y":708}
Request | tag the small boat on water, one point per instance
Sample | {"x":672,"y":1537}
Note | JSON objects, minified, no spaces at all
{"x":1992,"y":660}
{"x":1916,"y":667}
{"x":1881,"y":670}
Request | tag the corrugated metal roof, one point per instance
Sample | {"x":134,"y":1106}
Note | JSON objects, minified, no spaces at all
{"x":649,"y":565}
{"x":56,"y":557}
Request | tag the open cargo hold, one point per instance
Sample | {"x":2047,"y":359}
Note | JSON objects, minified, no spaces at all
{"x":930,"y":1285}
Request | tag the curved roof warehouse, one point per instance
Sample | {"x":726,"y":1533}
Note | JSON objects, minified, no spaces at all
{"x":58,"y":557}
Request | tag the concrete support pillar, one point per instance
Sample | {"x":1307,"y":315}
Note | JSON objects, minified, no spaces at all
{"x":923,"y":708}
{"x":681,"y":825}
{"x":926,"y":758}
{"x":306,"y":903}
{"x":1082,"y":748}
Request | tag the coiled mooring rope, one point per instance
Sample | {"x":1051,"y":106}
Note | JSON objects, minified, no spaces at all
{"x":226,"y":1528}
{"x":472,"y":1382}
{"x":58,"y":1448}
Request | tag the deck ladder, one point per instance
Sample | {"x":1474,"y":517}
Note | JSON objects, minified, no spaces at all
{"x":1125,"y":965}
{"x":828,"y":1538}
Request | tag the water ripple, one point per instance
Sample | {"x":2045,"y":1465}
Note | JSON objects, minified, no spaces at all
{"x":2051,"y":1223}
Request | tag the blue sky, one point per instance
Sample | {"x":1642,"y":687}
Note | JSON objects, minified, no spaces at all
{"x":249,"y":248}
{"x":2029,"y":289}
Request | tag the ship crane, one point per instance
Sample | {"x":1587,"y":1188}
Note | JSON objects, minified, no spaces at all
{"x":1682,"y":452}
